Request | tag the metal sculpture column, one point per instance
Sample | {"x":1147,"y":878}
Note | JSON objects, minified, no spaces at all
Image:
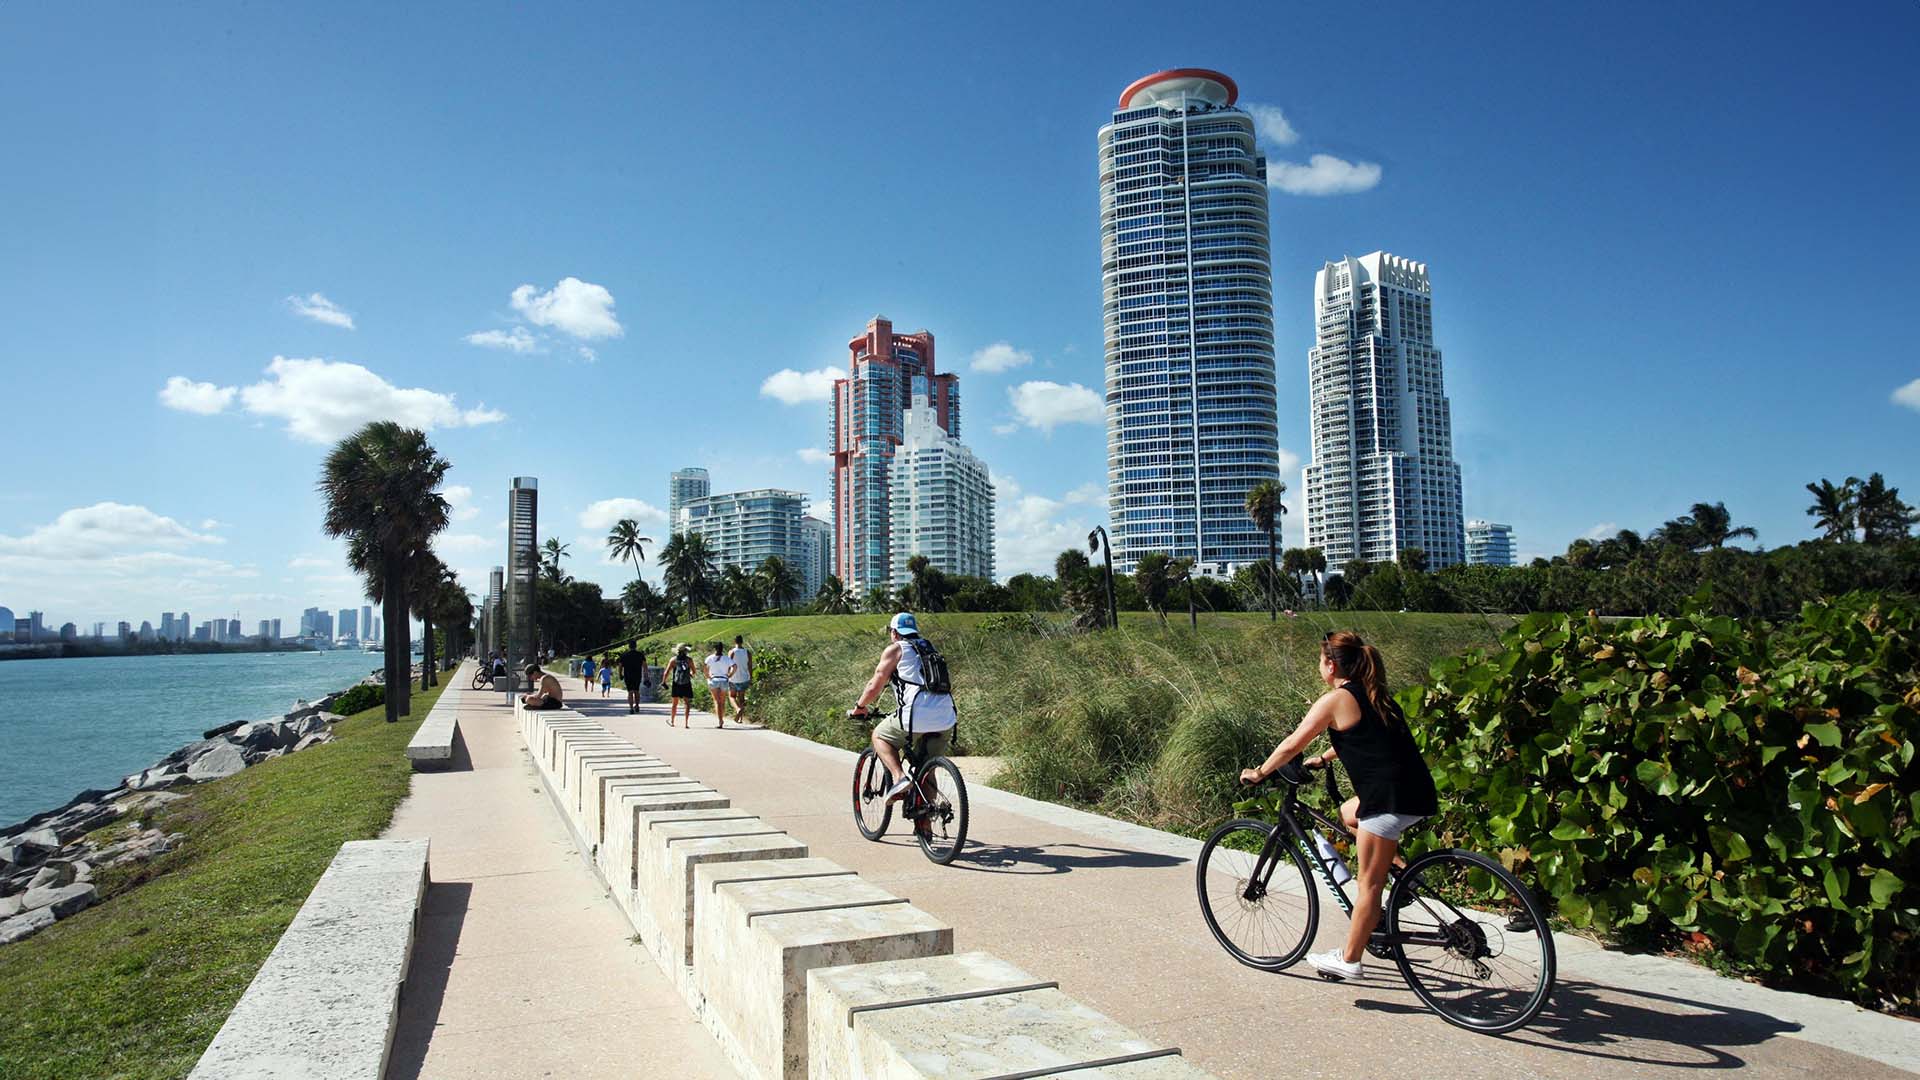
{"x":523,"y":562}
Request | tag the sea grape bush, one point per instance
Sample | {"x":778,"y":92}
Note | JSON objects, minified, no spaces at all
{"x":1740,"y":787}
{"x":358,"y":698}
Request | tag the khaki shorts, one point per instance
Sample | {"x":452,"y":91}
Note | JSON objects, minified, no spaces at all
{"x":931,"y":744}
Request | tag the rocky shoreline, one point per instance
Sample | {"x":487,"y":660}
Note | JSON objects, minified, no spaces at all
{"x":47,"y":862}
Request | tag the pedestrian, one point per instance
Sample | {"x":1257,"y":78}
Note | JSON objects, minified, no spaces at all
{"x":679,"y":676}
{"x":720,"y":681}
{"x":633,"y":673}
{"x":742,"y":658}
{"x":606,"y":676}
{"x":586,"y":670}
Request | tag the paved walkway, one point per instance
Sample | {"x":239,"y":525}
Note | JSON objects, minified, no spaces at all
{"x":523,"y":966}
{"x":1108,"y":909}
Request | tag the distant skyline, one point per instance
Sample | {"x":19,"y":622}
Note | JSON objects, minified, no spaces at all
{"x":1668,"y":254}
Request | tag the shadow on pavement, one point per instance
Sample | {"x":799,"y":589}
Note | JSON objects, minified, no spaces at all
{"x":1055,"y":858}
{"x":442,"y":915}
{"x":1602,"y":1022}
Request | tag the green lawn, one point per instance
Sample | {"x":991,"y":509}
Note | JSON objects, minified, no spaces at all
{"x":138,"y":985}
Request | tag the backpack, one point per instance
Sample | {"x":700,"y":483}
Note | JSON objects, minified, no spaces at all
{"x":933,"y":667}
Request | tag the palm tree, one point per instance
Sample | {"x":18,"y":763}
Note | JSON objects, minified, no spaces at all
{"x":1836,"y":507}
{"x":642,"y":602}
{"x":1181,"y":573}
{"x":686,"y":563}
{"x":550,"y":555}
{"x":625,"y":543}
{"x":1715,"y":525}
{"x":1294,"y":563}
{"x":1154,"y":573}
{"x":1317,"y":566}
{"x":917,"y":568}
{"x":739,"y":591}
{"x":380,"y":486}
{"x":1884,"y":517}
{"x":834,"y":598}
{"x":1413,"y":560}
{"x":429,"y":576}
{"x":779,"y":582}
{"x":1266,"y":510}
{"x":880,"y":600}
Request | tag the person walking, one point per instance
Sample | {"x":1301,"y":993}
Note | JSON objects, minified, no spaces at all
{"x":679,"y":676}
{"x":586,"y":671}
{"x":633,"y":673}
{"x":606,"y":676}
{"x":720,"y":681}
{"x":742,"y":658}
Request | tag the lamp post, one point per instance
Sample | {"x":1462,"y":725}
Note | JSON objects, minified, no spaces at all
{"x":1097,"y":542}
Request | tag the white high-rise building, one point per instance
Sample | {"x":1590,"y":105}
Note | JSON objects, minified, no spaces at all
{"x":816,"y":553}
{"x":1489,"y":543}
{"x":1382,"y":478}
{"x":347,"y":625}
{"x":940,"y":500}
{"x":744,"y":528}
{"x":1187,"y":292}
{"x":683,"y":486}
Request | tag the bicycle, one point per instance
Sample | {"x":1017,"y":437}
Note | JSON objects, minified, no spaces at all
{"x":482,"y":677}
{"x":936,"y":802}
{"x":1469,"y":937}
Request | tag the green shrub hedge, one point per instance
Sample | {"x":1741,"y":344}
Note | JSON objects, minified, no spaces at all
{"x":1741,"y":788}
{"x":359,"y":697}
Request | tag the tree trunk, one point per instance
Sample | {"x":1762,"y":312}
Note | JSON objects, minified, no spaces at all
{"x":1273,"y":576}
{"x":398,"y":681}
{"x":426,"y":653}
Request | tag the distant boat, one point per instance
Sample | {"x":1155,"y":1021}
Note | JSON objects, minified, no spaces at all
{"x":369,"y":646}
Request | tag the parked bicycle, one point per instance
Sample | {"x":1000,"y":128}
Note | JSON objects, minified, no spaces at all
{"x":936,"y":802}
{"x":482,"y":677}
{"x":1468,"y":936}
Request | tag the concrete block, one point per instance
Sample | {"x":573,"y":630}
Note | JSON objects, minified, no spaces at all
{"x":432,"y":744}
{"x":669,"y":855}
{"x":837,"y":995}
{"x":628,"y":808}
{"x":755,"y":942}
{"x":597,"y":789}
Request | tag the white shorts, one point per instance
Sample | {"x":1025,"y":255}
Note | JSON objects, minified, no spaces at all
{"x":1390,"y":826}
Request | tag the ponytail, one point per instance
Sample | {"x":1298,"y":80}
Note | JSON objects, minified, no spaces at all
{"x":1358,"y":662}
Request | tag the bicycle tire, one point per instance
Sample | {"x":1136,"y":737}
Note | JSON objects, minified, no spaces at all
{"x":481,"y":680}
{"x":1475,"y":940}
{"x":942,"y":829}
{"x":871,"y":810}
{"x":1231,"y":916}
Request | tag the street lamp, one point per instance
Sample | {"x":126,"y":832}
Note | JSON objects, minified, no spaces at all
{"x":1097,"y":542}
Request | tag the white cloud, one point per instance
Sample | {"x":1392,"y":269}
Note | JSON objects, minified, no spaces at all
{"x":460,"y":498}
{"x":579,"y":308}
{"x":1005,"y":429}
{"x":103,"y":530}
{"x":1046,"y":405}
{"x":1030,"y":530}
{"x":589,"y":355}
{"x":210,"y":524}
{"x":321,"y":310}
{"x":309,"y":562}
{"x":1000,"y":356}
{"x":813,"y":455}
{"x":203,"y":398}
{"x":1271,"y":125}
{"x":1603,"y":531}
{"x":456,"y":543}
{"x":1289,"y":468}
{"x":603,"y":514}
{"x":324,"y":400}
{"x":1323,"y":174}
{"x":514,"y":340}
{"x":799,"y":387}
{"x":1087,"y":494}
{"x":1908,"y":395}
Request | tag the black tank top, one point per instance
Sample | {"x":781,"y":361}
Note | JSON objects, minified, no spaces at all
{"x":1385,"y":766}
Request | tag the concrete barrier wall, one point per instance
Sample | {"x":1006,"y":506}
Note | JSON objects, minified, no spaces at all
{"x":798,"y":966}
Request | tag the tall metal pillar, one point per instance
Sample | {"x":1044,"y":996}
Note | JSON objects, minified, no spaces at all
{"x":523,"y":562}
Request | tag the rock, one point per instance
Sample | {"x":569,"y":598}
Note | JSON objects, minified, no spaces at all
{"x":62,"y":900}
{"x":144,"y":801}
{"x":223,"y":760}
{"x":55,"y":873}
{"x":156,"y":778}
{"x":44,"y":838}
{"x":10,"y":906}
{"x":83,"y":819}
{"x":185,"y":755}
{"x":214,"y":733}
{"x":314,"y":739}
{"x":25,"y":926}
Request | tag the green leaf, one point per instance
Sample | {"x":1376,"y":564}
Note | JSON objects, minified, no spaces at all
{"x":1824,"y":734}
{"x":1576,"y":910}
{"x":1884,"y":885}
{"x":1731,"y":846}
{"x":1569,"y":830}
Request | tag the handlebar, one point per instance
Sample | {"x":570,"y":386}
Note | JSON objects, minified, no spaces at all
{"x":1295,"y":774}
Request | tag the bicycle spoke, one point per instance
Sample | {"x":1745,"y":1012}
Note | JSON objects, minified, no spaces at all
{"x":1456,"y":948}
{"x":1263,"y":915}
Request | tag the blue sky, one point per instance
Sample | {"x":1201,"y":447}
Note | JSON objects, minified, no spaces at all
{"x":1672,"y":257}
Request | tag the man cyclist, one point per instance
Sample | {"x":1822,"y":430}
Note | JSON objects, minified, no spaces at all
{"x":924,"y":714}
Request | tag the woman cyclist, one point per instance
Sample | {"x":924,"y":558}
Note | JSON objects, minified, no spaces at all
{"x":1392,"y":787}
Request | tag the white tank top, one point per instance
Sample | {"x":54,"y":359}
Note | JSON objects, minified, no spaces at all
{"x":921,"y":712}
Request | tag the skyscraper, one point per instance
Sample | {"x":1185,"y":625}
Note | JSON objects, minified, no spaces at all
{"x":523,"y":563}
{"x":1187,"y":293}
{"x":349,"y":626}
{"x":745,"y":528}
{"x":682,"y":486}
{"x":1489,"y":544}
{"x":1382,"y":478}
{"x":369,"y":629}
{"x":885,"y":372}
{"x":940,"y":501}
{"x":816,"y":553}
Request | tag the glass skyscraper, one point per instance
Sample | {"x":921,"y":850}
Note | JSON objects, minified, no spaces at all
{"x":1187,"y":292}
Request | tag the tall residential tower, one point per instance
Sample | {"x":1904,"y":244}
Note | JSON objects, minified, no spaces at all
{"x":1382,"y":477}
{"x":1187,"y":291}
{"x":940,"y":501}
{"x":683,"y":486}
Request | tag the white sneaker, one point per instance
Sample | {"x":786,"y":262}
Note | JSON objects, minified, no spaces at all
{"x":1332,"y":965}
{"x":899,"y":789}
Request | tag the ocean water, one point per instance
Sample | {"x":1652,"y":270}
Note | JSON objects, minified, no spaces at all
{"x":67,"y":725}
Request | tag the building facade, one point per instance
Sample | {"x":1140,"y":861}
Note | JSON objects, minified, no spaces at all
{"x":940,"y":501}
{"x":816,"y":553}
{"x":1489,"y":543}
{"x":683,"y":486}
{"x":1187,"y":299}
{"x":745,"y":528}
{"x":885,"y":373}
{"x":1382,"y":477}
{"x":348,"y":624}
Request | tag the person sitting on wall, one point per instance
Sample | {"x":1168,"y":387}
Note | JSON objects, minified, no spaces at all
{"x":546,"y":693}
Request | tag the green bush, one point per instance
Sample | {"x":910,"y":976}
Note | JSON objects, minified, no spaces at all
{"x":1741,"y":788}
{"x":358,"y":698}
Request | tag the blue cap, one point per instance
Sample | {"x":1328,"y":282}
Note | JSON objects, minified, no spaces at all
{"x":904,"y":625}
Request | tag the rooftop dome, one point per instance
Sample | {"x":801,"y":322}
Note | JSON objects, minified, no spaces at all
{"x":1174,"y":84}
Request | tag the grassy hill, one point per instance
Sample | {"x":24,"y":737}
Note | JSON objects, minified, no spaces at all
{"x":1148,"y":723}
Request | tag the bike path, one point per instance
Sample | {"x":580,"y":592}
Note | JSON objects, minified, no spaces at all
{"x":1109,"y":910}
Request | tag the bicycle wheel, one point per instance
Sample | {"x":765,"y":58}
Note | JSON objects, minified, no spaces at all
{"x":871,"y":810}
{"x":481,"y":679}
{"x":1471,"y":940}
{"x":1263,"y":915}
{"x":941,"y":827}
